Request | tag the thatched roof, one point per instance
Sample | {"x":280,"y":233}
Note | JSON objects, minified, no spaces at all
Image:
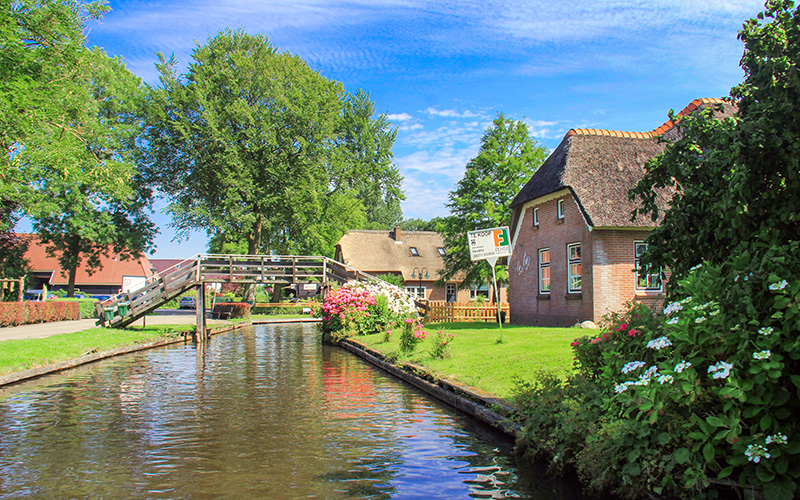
{"x":600,"y":166}
{"x":389,"y":252}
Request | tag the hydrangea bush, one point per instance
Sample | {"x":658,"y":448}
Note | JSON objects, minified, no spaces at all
{"x":362,"y":308}
{"x":705,"y":393}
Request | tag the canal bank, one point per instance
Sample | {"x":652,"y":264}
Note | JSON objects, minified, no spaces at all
{"x":474,"y":402}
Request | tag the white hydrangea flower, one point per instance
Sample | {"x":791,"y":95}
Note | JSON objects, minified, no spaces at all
{"x":633,"y":365}
{"x":720,"y":370}
{"x":779,"y":286}
{"x":659,"y":343}
{"x":755,"y":452}
{"x":767,"y":330}
{"x":682,"y":366}
{"x":665,"y":379}
{"x":762,"y":354}
{"x":777,"y":439}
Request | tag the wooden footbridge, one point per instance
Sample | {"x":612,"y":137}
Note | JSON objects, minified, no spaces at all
{"x":125,"y":308}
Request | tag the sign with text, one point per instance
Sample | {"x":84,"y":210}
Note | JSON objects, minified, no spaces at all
{"x":489,"y":243}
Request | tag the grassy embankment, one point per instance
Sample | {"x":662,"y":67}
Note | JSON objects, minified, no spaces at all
{"x":478,"y":360}
{"x":18,"y":355}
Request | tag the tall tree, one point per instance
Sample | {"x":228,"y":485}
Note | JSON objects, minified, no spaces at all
{"x":508,"y":157}
{"x":253,"y":144}
{"x":89,"y":199}
{"x":42,"y":42}
{"x":68,"y":121}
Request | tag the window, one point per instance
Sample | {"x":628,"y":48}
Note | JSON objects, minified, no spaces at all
{"x":441,"y":251}
{"x":418,"y":292}
{"x":414,"y":251}
{"x":560,"y":209}
{"x":450,"y":292}
{"x":478,"y":293}
{"x":644,"y":281}
{"x":544,"y":270}
{"x":574,"y":267}
{"x":536,"y":216}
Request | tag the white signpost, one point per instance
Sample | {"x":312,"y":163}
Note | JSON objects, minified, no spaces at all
{"x":491,"y":244}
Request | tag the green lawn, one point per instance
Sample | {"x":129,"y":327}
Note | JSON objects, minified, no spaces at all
{"x":18,"y":355}
{"x":477,"y":359}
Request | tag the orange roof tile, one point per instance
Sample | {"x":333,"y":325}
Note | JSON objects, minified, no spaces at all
{"x":653,"y":133}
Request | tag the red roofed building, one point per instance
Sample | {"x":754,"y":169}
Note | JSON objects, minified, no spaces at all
{"x":106,"y":281}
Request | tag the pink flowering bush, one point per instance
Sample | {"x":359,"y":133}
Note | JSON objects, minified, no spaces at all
{"x":441,"y":341}
{"x":343,"y":310}
{"x":360,"y":309}
{"x":411,"y":335}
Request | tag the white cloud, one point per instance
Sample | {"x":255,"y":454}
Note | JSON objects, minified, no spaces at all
{"x":544,"y":129}
{"x":450,"y":113}
{"x":399,"y":117}
{"x":412,"y":127}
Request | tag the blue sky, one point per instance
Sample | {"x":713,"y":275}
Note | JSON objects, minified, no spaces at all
{"x":442,"y":70}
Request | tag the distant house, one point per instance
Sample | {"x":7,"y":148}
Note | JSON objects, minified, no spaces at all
{"x":575,"y":247}
{"x":106,"y":281}
{"x":416,"y":256}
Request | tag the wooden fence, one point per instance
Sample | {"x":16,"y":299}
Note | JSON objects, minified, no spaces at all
{"x":441,"y":311}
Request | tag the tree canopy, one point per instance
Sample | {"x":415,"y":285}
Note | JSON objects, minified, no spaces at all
{"x":508,"y":157}
{"x":71,"y":117}
{"x":253,"y":144}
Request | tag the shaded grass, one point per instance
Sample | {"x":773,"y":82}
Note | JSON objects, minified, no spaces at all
{"x":477,"y":359}
{"x":18,"y":355}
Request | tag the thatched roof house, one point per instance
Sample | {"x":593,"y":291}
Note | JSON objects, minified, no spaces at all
{"x":417,"y":256}
{"x":600,"y":166}
{"x":392,"y":252}
{"x":575,"y":246}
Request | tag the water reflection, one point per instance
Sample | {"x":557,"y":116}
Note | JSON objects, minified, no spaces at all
{"x":265,"y":412}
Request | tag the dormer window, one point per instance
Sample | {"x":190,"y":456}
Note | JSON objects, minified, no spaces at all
{"x":414,"y":252}
{"x":560,"y":209}
{"x":441,"y":251}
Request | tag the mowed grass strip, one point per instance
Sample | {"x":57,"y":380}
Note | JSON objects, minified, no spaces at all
{"x":19,"y":355}
{"x":477,"y":359}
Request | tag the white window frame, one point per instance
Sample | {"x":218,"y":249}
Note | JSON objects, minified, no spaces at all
{"x":414,"y":251}
{"x":574,"y":280}
{"x":542,"y":266}
{"x":474,"y":289}
{"x":560,"y":209}
{"x":535,"y":216}
{"x":442,"y":251}
{"x":418,"y":292}
{"x":650,"y":279}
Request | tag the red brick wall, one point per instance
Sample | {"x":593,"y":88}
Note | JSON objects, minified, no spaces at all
{"x":614,"y":279}
{"x":558,"y":308}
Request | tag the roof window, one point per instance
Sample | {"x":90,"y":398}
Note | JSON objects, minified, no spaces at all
{"x":414,"y":251}
{"x":441,"y":251}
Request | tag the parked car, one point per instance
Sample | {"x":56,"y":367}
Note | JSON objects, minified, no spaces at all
{"x":35,"y":295}
{"x":187,"y":303}
{"x":101,"y":298}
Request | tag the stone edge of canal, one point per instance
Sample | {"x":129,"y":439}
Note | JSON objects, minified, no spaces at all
{"x":466,"y":399}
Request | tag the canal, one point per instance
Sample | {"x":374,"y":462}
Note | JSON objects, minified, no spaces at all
{"x":263,"y":412}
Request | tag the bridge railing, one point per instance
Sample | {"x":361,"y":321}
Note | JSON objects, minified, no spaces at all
{"x":124,"y":308}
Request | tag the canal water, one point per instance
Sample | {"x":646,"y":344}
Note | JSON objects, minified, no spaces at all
{"x":265,"y":412}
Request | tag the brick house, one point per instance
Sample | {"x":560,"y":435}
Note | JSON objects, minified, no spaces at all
{"x":414,"y":255}
{"x":575,"y":246}
{"x":45,"y":270}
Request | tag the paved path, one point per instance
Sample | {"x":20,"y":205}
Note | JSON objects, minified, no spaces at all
{"x":41,"y":330}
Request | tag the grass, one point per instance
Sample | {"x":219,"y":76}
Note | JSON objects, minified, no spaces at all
{"x":18,"y":355}
{"x":477,"y":359}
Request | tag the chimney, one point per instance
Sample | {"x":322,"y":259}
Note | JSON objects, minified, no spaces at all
{"x":398,"y":235}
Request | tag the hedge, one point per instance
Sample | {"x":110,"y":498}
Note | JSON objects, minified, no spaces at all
{"x":25,"y":313}
{"x":87,"y":307}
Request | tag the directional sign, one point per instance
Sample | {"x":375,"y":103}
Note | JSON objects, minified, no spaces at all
{"x":489,"y":243}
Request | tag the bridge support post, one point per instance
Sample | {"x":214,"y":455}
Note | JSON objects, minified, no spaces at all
{"x":200,"y":311}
